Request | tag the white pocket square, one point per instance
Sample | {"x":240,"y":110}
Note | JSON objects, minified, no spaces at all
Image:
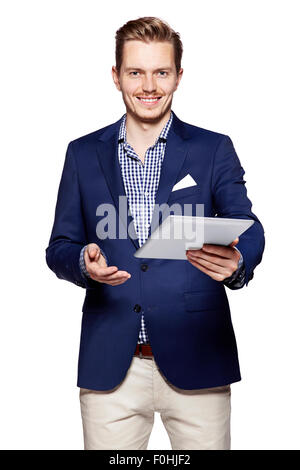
{"x":184,"y":183}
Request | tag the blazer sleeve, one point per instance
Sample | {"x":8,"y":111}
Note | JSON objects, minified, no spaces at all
{"x":68,"y":233}
{"x":231,"y":201}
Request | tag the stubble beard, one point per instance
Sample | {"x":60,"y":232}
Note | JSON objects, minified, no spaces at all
{"x":143,"y":117}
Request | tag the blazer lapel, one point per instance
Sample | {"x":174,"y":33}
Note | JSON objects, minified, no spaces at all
{"x":175,"y":154}
{"x":107,"y":151}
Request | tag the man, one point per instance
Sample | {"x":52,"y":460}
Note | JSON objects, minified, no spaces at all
{"x":156,"y":333}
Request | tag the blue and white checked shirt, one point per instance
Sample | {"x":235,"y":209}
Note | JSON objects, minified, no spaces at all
{"x":141,"y":183}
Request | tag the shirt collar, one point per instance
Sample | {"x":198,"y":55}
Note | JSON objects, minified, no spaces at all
{"x":161,"y":138}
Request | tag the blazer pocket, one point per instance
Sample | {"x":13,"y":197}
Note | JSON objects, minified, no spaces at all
{"x":180,"y":193}
{"x":206,"y":300}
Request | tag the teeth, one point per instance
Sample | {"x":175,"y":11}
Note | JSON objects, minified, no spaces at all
{"x":149,"y":100}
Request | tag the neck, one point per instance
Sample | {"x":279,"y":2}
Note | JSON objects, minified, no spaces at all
{"x":144,"y":133}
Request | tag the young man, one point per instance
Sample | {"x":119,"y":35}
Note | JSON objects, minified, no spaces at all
{"x":156,"y":333}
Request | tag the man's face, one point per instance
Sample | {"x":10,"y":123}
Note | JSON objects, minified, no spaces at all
{"x":147,"y":71}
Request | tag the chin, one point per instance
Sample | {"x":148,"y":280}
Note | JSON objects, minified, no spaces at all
{"x":150,"y":116}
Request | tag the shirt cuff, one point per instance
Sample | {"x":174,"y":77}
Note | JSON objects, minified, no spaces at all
{"x":239,"y":273}
{"x":82,"y":266}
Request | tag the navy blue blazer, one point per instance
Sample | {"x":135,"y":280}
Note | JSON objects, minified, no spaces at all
{"x":186,"y":312}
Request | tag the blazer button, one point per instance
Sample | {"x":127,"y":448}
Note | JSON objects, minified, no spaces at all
{"x":144,"y":267}
{"x":137,"y":308}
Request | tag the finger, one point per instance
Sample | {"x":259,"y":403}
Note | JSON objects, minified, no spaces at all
{"x":116,"y":283}
{"x":90,"y":254}
{"x":223,"y":251}
{"x":226,"y":272}
{"x":105,"y":281}
{"x":208,"y":255}
{"x":93,"y":251}
{"x":212,"y":274}
{"x":96,"y":270}
{"x":214,"y":260}
{"x":235,"y":242}
{"x":89,"y":263}
{"x":118,"y":276}
{"x":111,"y":276}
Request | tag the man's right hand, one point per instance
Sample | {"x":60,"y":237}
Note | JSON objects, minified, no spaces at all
{"x":99,"y":271}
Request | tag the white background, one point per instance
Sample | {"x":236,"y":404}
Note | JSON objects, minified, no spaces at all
{"x":241,"y":78}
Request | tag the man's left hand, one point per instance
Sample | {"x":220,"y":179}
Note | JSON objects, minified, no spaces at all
{"x":218,"y":262}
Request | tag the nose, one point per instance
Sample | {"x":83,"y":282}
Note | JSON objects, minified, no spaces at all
{"x":149,"y":83}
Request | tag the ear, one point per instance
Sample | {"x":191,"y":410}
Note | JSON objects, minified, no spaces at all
{"x":179,"y":77}
{"x":115,"y":77}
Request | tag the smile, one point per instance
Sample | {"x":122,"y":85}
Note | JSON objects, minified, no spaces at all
{"x":149,"y":101}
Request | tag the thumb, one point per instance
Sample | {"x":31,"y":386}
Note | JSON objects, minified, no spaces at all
{"x":93,"y":251}
{"x":235,"y":242}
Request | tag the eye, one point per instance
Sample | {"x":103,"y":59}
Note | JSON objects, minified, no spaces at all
{"x":163,"y":72}
{"x":134,"y":72}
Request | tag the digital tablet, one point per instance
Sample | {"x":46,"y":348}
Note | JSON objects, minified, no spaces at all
{"x":178,"y":233}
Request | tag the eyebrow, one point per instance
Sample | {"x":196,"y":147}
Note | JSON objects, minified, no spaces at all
{"x":141,"y":70}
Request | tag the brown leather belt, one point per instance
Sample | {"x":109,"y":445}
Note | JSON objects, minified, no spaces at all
{"x":143,"y":350}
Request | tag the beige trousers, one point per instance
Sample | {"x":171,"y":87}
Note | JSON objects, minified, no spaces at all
{"x":122,"y":418}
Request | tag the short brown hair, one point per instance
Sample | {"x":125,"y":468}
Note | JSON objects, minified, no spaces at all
{"x":147,"y":28}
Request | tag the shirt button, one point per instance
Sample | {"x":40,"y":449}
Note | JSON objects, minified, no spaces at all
{"x":137,"y":308}
{"x":146,"y":194}
{"x":144,"y":267}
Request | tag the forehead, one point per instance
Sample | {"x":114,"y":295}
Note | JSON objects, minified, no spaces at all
{"x":142,"y":54}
